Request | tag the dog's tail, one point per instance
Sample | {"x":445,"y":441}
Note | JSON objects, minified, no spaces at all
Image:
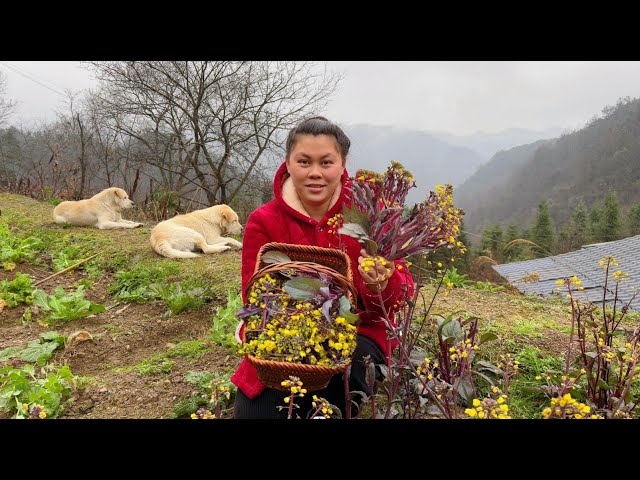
{"x":165,"y":249}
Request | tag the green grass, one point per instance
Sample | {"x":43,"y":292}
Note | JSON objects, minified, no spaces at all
{"x":126,"y":251}
{"x":530,"y":328}
{"x":161,"y":363}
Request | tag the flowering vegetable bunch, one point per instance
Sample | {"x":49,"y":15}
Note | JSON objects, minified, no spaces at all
{"x":300,"y":316}
{"x":379,"y":220}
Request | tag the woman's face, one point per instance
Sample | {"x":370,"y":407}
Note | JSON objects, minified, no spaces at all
{"x":316,"y":167}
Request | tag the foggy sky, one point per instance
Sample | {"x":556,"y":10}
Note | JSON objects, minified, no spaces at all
{"x":455,"y":97}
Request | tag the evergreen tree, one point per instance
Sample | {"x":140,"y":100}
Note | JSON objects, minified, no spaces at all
{"x":562,"y":242}
{"x":634,"y":220}
{"x":543,"y":231}
{"x":485,"y":242}
{"x":611,"y":223}
{"x":462,"y":261}
{"x":516,"y":251}
{"x":578,"y":227}
{"x":497,"y":243}
{"x":595,"y":225}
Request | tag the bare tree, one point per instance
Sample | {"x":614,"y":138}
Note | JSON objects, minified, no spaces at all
{"x":210,"y":123}
{"x":6,"y":105}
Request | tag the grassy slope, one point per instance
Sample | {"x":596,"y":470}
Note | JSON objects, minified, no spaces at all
{"x":531,"y":328}
{"x":121,"y":247}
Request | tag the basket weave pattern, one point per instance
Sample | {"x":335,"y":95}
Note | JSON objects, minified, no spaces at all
{"x":328,"y":261}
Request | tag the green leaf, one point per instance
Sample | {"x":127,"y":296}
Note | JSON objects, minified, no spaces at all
{"x":95,"y":308}
{"x":9,"y":352}
{"x":371,"y":247}
{"x":463,"y":384}
{"x":487,"y":337}
{"x":38,"y":352}
{"x":354,"y":230}
{"x":489,"y":366}
{"x":603,"y":385}
{"x":40,"y":300}
{"x":629,"y":397}
{"x":351,"y":214}
{"x":302,"y":288}
{"x":345,"y":311}
{"x":274,"y":256}
{"x":489,"y":380}
{"x":53,"y":336}
{"x":451,"y":330}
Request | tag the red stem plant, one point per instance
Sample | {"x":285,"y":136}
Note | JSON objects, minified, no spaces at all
{"x":608,"y":353}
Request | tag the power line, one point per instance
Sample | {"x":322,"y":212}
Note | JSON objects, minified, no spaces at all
{"x":31,"y":77}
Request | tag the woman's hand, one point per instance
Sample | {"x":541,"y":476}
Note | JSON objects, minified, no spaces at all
{"x":375,"y":271}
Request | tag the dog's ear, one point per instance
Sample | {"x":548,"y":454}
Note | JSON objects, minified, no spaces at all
{"x":116,"y":192}
{"x":227,"y":214}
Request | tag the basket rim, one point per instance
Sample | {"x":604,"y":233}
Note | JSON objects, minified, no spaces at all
{"x":313,"y":377}
{"x":335,"y":252}
{"x":346,"y":278}
{"x":320,"y":369}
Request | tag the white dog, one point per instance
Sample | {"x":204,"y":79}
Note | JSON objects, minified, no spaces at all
{"x":102,"y":210}
{"x":180,"y":235}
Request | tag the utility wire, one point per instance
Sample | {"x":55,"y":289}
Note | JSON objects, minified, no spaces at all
{"x":31,"y":77}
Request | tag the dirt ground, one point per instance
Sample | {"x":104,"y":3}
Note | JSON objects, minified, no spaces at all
{"x":127,"y":334}
{"x":123,"y":336}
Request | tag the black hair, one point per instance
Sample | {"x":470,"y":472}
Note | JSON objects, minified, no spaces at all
{"x":319,"y":126}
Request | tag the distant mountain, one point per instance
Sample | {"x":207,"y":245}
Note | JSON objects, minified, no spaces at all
{"x":583,"y":165}
{"x":431,"y":160}
{"x":489,"y":144}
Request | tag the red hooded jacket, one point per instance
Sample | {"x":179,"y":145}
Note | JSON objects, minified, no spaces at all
{"x":278,"y":221}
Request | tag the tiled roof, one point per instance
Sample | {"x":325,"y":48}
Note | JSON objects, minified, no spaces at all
{"x":584,"y":264}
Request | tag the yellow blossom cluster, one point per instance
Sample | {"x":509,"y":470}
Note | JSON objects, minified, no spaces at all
{"x":620,"y":277}
{"x":203,"y":414}
{"x":219,"y":388}
{"x":426,"y":370}
{"x":291,"y":330}
{"x":461,"y":350}
{"x":508,"y":364}
{"x":34,"y":411}
{"x":607,"y":261}
{"x":294,"y":384}
{"x":369,"y":263}
{"x":322,"y":406}
{"x":571,"y":281}
{"x":630,"y":353}
{"x":494,"y":407}
{"x":335,"y":222}
{"x":451,"y":217}
{"x":429,"y":374}
{"x":567,"y":407}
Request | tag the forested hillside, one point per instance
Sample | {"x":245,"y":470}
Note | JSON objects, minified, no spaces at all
{"x":580,"y":166}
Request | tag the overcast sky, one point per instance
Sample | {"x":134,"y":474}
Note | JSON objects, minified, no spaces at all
{"x":455,"y":97}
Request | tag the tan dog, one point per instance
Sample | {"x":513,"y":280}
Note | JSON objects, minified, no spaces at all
{"x":180,"y":235}
{"x":102,"y":210}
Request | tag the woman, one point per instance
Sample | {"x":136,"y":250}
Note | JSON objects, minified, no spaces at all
{"x":309,"y":189}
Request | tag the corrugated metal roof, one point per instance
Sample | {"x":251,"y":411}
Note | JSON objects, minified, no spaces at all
{"x":584,"y":264}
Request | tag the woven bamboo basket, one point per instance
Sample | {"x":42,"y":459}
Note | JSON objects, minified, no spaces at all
{"x":331,"y":262}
